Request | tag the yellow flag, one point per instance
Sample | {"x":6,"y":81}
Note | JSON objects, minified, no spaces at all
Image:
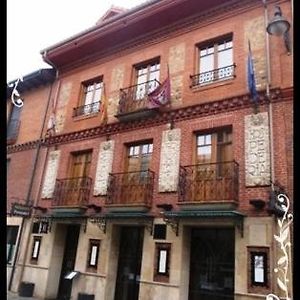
{"x":103,"y":107}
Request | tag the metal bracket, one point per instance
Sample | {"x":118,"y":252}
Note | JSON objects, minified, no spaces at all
{"x":101,"y":223}
{"x":173,"y":222}
{"x":149,"y":225}
{"x":240,"y":225}
{"x":47,"y":220}
{"x":84,"y":225}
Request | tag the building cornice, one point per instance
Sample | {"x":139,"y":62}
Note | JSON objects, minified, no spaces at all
{"x":64,"y":61}
{"x":176,"y":115}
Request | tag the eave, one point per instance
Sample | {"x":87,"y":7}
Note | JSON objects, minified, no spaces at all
{"x":130,"y":25}
{"x":32,"y":80}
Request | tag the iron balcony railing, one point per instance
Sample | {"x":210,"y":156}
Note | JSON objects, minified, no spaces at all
{"x":211,"y":76}
{"x":72,"y":191}
{"x":86,"y":109}
{"x":131,"y":188}
{"x":214,"y":182}
{"x":13,"y":128}
{"x":135,"y":97}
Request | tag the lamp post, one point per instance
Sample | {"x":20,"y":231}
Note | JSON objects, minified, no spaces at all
{"x":279,"y":26}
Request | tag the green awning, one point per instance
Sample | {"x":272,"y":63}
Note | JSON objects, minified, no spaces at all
{"x":203,"y":214}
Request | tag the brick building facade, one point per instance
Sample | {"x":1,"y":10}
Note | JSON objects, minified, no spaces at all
{"x":169,"y":202}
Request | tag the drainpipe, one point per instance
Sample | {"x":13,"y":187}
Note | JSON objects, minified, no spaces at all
{"x":28,"y":202}
{"x":270,"y":108}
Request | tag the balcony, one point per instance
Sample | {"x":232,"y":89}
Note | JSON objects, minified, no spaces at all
{"x":213,"y":76}
{"x":209,"y":186}
{"x":71,"y":195}
{"x":133,"y":102}
{"x":85,"y":110}
{"x":131,"y":191}
{"x":13,"y":128}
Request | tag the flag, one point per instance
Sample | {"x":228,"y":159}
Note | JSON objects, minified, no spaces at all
{"x":251,"y":77}
{"x":103,"y":108}
{"x":161,"y":95}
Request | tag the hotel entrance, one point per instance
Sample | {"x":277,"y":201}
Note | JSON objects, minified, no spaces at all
{"x":212,"y":264}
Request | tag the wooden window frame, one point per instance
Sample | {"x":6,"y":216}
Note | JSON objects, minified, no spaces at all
{"x":145,"y":64}
{"x":213,"y":43}
{"x":93,"y":243}
{"x":159,"y":275}
{"x":82,"y":101}
{"x":140,"y":155}
{"x":254,"y":286}
{"x":215,"y":144}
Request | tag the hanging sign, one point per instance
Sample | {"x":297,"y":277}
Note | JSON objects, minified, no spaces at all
{"x":21,"y":210}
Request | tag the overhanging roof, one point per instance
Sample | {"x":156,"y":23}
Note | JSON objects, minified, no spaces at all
{"x":32,"y":80}
{"x":119,"y":30}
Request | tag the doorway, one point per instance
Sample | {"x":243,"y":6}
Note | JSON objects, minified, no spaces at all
{"x":212,"y":264}
{"x":68,"y":264}
{"x":129,"y":263}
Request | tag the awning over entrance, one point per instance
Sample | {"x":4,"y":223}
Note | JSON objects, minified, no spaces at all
{"x":172,"y":218}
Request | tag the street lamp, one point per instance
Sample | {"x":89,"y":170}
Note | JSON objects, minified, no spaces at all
{"x":279,"y":26}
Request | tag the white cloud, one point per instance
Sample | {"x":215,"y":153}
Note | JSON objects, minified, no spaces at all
{"x":33,"y":25}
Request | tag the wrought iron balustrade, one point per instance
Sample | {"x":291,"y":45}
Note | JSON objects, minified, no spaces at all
{"x":209,"y":182}
{"x":72,"y":191}
{"x":211,"y":76}
{"x":131,"y":188}
{"x":86,"y":109}
{"x":13,"y":128}
{"x":135,"y":97}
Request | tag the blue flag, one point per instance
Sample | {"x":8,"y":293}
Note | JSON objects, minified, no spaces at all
{"x":251,"y":77}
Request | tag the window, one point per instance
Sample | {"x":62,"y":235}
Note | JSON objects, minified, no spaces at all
{"x":162,"y":262}
{"x":258,"y":269}
{"x":40,"y":227}
{"x":214,"y":147}
{"x":139,"y":157}
{"x":147,"y":76}
{"x":12,"y":233}
{"x":93,"y":254}
{"x":36,"y":248}
{"x":215,"y":61}
{"x":214,"y":154}
{"x":91,"y":98}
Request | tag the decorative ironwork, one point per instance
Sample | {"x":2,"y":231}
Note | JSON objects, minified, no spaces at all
{"x":283,"y":240}
{"x":131,"y":188}
{"x":72,"y":191}
{"x":173,"y":222}
{"x":211,"y":76}
{"x":15,"y":96}
{"x":86,"y":109}
{"x":209,"y":182}
{"x":100,"y":221}
{"x":135,"y":97}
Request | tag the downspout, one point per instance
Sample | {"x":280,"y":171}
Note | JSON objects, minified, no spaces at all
{"x":270,"y":108}
{"x":28,"y":202}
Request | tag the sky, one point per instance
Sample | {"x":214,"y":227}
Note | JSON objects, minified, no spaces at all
{"x":33,"y":25}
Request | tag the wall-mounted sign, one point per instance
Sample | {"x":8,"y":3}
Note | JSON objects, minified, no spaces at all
{"x":72,"y":275}
{"x":21,"y":210}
